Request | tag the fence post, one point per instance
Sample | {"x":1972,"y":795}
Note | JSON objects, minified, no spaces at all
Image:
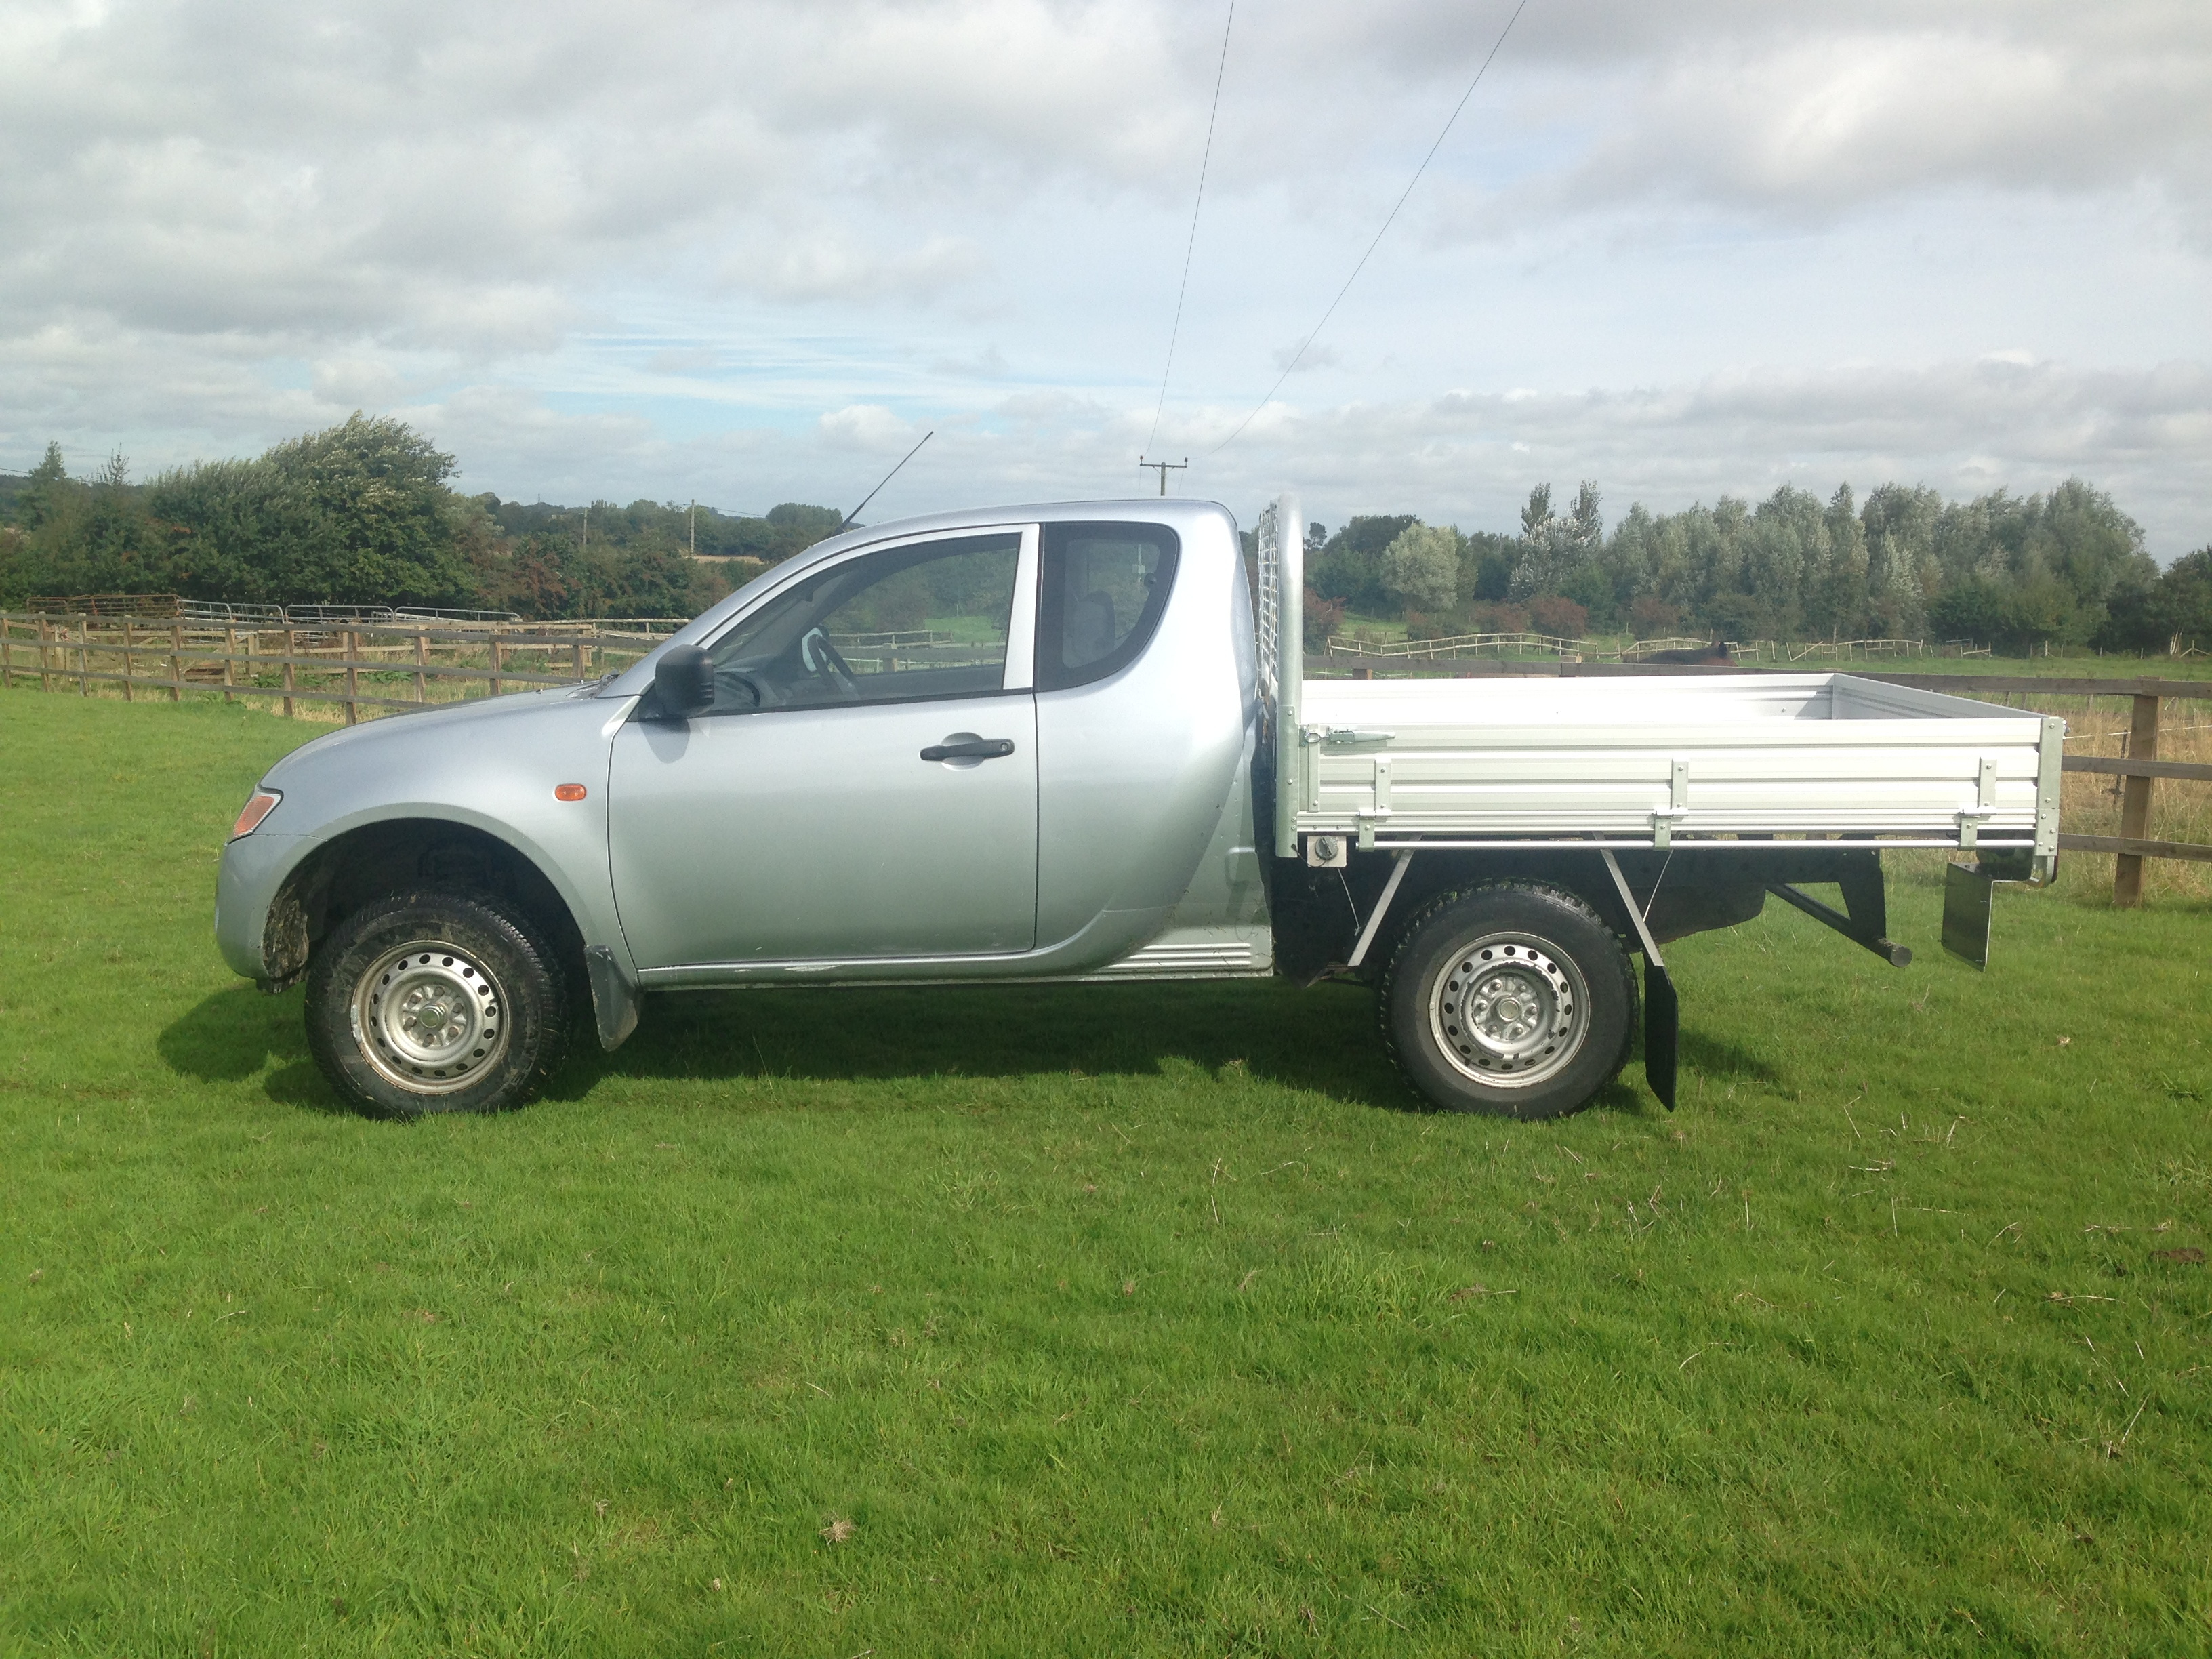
{"x":176,"y":662}
{"x":2135,"y":805}
{"x":352,"y":647}
{"x":421,"y":661}
{"x":576,"y":658}
{"x":229,"y":663}
{"x":128,"y":636}
{"x":83,"y":657}
{"x":498,"y":655}
{"x":291,"y":650}
{"x":6,"y":651}
{"x":45,"y":654}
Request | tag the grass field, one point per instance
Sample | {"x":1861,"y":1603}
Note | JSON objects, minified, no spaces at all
{"x":1143,"y":1319}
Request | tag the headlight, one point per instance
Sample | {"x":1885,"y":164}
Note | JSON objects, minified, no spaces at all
{"x":257,"y":807}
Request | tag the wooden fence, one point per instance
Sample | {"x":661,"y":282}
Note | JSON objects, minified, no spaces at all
{"x":400,"y":666}
{"x":2138,"y":769}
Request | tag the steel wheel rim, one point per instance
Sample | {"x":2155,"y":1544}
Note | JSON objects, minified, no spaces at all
{"x":1510,"y":1010}
{"x":430,"y":1018}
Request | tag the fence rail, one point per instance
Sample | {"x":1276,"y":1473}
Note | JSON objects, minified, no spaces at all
{"x":292,"y":666}
{"x":1342,"y":645}
{"x":2138,"y":769}
{"x":1453,"y":645}
{"x":1856,"y":650}
{"x":1600,"y":650}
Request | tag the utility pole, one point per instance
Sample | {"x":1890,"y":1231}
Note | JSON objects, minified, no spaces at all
{"x":588,"y":527}
{"x":1164,"y":468}
{"x":694,"y":530}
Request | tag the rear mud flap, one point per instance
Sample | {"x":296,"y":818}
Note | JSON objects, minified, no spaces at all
{"x":1663,"y":1015}
{"x":1968,"y":890}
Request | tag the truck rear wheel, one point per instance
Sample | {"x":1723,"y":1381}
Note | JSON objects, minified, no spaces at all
{"x":1511,"y":999}
{"x":435,"y":1002}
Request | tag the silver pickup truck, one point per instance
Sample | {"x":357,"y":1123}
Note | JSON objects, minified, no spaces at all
{"x":1062,"y":743}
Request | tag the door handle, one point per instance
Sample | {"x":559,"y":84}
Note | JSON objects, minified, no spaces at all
{"x":976,"y":749}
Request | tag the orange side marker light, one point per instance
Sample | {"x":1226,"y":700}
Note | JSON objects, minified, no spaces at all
{"x":258,"y":807}
{"x":569,"y":791}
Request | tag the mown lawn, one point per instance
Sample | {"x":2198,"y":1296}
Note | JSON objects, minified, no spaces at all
{"x":1140,"y":1319}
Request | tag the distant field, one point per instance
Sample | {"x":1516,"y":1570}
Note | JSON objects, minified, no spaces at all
{"x":1140,"y":1319}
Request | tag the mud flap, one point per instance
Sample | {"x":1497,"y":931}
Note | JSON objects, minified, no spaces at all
{"x":1968,"y":892}
{"x":614,"y":1001}
{"x":1663,"y":1017}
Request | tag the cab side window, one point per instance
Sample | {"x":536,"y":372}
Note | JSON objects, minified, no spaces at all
{"x":899,"y":626}
{"x":1101,"y":591}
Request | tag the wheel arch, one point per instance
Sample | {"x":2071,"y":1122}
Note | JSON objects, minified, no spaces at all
{"x":1317,"y":912}
{"x":352,"y":868}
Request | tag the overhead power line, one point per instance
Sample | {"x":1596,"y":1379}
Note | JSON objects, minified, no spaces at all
{"x":1189,"y":246}
{"x":1305,"y":345}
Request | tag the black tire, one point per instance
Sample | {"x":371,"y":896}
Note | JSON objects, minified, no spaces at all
{"x":1548,"y":1021}
{"x":437,"y":1002}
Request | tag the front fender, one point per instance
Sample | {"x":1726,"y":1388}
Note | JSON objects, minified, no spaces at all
{"x":492,"y":769}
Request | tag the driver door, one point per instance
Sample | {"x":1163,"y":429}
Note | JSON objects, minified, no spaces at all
{"x":800,"y":818}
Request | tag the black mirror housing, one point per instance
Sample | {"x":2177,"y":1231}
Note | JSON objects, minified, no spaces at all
{"x":683,"y":681}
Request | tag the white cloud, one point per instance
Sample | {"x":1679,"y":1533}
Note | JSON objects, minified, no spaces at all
{"x":1964,"y":427}
{"x":866,"y":426}
{"x":1834,"y":119}
{"x":989,"y":364}
{"x":827,"y":267}
{"x":733,"y":249}
{"x":368,"y":382}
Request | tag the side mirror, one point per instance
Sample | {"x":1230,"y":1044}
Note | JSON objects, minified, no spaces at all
{"x":684,"y":679}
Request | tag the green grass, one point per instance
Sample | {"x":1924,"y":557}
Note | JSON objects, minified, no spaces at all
{"x":1128,"y":1320}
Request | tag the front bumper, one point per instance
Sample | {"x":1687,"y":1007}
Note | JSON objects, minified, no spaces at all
{"x":251,"y":874}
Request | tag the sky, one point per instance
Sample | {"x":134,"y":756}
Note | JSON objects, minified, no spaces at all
{"x":751,"y":251}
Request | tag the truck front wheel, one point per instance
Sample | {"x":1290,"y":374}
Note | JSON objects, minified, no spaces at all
{"x":436,"y":1002}
{"x":1511,"y":999}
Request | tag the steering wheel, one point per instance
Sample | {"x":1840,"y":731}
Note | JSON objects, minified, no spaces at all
{"x":751,"y":684}
{"x":822,"y":658}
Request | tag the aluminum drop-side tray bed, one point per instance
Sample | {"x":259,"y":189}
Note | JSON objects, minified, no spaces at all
{"x":1668,"y":763}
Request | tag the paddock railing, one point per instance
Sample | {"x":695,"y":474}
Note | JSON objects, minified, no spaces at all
{"x":2136,"y":771}
{"x":357,"y":669}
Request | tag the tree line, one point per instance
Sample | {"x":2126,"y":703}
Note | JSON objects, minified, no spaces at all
{"x":363,"y":512}
{"x":2018,"y":572}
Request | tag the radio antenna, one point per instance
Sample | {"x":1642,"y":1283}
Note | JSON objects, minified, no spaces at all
{"x":888,"y":476}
